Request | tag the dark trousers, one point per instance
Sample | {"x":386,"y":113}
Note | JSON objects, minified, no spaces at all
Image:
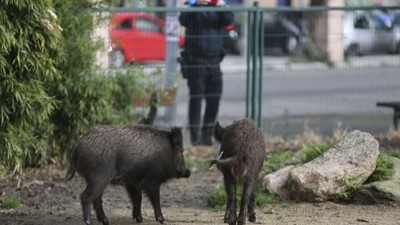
{"x":205,"y":82}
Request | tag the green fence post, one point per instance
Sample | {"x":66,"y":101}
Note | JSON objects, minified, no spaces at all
{"x":260,"y":66}
{"x":249,"y":51}
{"x":254,"y":64}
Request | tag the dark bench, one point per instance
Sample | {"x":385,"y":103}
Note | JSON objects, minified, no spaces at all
{"x":396,"y":108}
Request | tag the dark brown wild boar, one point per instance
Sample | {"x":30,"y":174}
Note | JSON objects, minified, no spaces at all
{"x":140,"y":157}
{"x":241,"y":159}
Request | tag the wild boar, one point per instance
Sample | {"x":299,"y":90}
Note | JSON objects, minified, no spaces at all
{"x":140,"y":157}
{"x":241,"y":158}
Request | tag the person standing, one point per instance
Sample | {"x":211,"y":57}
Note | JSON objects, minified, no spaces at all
{"x":202,"y":55}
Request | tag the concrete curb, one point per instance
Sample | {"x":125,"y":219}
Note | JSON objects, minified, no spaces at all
{"x":237,"y":64}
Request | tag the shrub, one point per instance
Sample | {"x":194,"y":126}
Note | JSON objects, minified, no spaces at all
{"x":88,"y":95}
{"x":30,"y":49}
{"x":51,"y":91}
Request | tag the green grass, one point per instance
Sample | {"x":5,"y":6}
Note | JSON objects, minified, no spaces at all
{"x":3,"y":172}
{"x":395,"y":153}
{"x":217,"y":199}
{"x":353,"y":185}
{"x":194,"y":164}
{"x":313,"y":151}
{"x":274,"y":160}
{"x":384,"y":169}
{"x":12,"y":202}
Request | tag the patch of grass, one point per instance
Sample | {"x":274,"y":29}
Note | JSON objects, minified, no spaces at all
{"x":194,"y":164}
{"x":384,"y":169}
{"x":274,"y":160}
{"x":217,"y":199}
{"x":313,"y":151}
{"x":353,"y":185}
{"x":12,"y":202}
{"x":285,"y":205}
{"x":395,"y":153}
{"x":3,"y":172}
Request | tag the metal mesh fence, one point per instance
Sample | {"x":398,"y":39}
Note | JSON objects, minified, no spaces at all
{"x":321,"y":69}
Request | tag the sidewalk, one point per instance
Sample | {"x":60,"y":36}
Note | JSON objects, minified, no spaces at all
{"x":237,"y":64}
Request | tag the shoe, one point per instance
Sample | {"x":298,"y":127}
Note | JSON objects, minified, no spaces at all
{"x":206,"y":136}
{"x":206,"y":140}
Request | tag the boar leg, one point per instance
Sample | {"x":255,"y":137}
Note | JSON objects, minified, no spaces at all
{"x":135,"y":194}
{"x":92,"y":192}
{"x":230,"y":187}
{"x":153,"y":192}
{"x":251,"y":209}
{"x":98,"y":206}
{"x":248,"y":190}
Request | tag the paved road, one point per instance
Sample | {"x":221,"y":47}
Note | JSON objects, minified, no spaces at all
{"x":311,"y":94}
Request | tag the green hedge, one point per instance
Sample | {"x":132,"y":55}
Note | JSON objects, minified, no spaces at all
{"x":31,"y":44}
{"x":50,"y":89}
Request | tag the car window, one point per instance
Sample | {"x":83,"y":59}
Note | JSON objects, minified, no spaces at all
{"x":396,"y":21}
{"x":147,"y":25}
{"x":361,"y":22}
{"x":377,"y":23}
{"x":126,"y":24}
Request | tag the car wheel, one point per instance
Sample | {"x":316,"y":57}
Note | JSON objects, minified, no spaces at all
{"x":290,"y":45}
{"x":353,"y":50}
{"x":398,"y":48}
{"x":117,"y":59}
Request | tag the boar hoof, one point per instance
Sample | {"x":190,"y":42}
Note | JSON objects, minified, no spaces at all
{"x":88,"y":222}
{"x":253,"y":218}
{"x":160,"y":219}
{"x":104,"y":221}
{"x":230,"y":219}
{"x":138,"y":219}
{"x":241,"y":222}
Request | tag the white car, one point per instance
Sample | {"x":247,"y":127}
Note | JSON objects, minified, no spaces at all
{"x":366,"y":33}
{"x":396,"y":30}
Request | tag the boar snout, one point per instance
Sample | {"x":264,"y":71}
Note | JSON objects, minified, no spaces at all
{"x":185,"y":174}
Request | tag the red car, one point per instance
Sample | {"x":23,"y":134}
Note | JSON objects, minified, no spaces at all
{"x":138,"y":37}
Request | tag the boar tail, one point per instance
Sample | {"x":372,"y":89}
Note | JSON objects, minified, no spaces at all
{"x":218,"y":132}
{"x":237,"y":169}
{"x":71,"y":171}
{"x":227,"y":161}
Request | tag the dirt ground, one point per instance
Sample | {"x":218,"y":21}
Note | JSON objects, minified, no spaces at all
{"x":48,"y":200}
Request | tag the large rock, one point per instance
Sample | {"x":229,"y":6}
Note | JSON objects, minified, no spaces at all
{"x":396,"y":168}
{"x":347,"y":164}
{"x":382,"y":190}
{"x":276,"y":182}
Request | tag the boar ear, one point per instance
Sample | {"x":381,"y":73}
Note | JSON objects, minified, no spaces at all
{"x":176,"y":136}
{"x":219,"y":132}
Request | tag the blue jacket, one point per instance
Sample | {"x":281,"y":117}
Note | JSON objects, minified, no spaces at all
{"x":205,"y":32}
